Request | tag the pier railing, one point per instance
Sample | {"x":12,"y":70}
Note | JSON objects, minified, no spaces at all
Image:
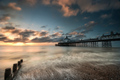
{"x":11,"y":73}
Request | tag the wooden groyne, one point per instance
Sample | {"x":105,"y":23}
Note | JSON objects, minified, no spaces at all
{"x":11,"y":73}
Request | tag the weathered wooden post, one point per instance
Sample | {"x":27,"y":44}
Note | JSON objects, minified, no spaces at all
{"x":21,"y":60}
{"x":7,"y":74}
{"x":14,"y":68}
{"x":19,"y":64}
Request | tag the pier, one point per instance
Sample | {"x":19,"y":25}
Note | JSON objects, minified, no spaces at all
{"x":106,"y":41}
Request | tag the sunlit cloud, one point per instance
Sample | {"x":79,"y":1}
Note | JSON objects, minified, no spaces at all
{"x":10,"y":6}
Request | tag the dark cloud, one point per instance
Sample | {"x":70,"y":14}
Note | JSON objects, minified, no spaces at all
{"x":43,"y":33}
{"x":9,"y":28}
{"x":43,"y":39}
{"x":26,"y":34}
{"x":17,"y":40}
{"x":43,"y":26}
{"x":2,"y":37}
{"x":16,"y":31}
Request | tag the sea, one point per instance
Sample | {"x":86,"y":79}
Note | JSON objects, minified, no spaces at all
{"x":35,"y":56}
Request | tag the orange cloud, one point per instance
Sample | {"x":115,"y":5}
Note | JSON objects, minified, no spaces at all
{"x":65,"y":4}
{"x":13,"y":6}
{"x":73,"y":33}
{"x":46,"y":2}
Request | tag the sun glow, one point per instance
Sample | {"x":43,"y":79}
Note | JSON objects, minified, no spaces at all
{"x":25,"y":44}
{"x":18,"y":44}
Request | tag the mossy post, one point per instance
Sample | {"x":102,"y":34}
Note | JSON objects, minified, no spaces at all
{"x":7,"y":74}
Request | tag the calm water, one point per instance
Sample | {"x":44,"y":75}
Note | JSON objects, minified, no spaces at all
{"x":50,"y":55}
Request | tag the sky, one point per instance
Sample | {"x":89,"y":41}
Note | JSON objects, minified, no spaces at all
{"x":49,"y":21}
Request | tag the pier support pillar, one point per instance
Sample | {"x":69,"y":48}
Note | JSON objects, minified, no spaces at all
{"x":106,"y":44}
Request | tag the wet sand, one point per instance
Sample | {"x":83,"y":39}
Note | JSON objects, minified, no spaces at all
{"x":72,"y":71}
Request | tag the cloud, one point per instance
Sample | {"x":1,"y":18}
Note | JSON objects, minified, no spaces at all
{"x":17,"y":40}
{"x":67,"y":12}
{"x":73,"y":33}
{"x":58,"y":27}
{"x":97,"y":5}
{"x":77,"y":35}
{"x":86,"y":27}
{"x":56,"y":34}
{"x":82,"y":30}
{"x":4,"y":23}
{"x":43,"y":26}
{"x":5,"y":18}
{"x":43,"y":33}
{"x":21,"y":35}
{"x":2,"y":37}
{"x":43,"y":39}
{"x":83,"y":5}
{"x":106,"y":16}
{"x":29,"y":2}
{"x":55,"y":37}
{"x":26,"y":34}
{"x":10,"y":6}
{"x":8,"y":28}
{"x":13,"y":6}
{"x":46,"y":2}
{"x":46,"y":39}
{"x":66,"y":4}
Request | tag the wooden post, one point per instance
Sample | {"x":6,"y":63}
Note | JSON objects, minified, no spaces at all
{"x":7,"y":73}
{"x":21,"y":60}
{"x":19,"y":63}
{"x":14,"y":68}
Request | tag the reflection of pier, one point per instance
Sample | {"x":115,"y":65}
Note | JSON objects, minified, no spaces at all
{"x":104,"y":39}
